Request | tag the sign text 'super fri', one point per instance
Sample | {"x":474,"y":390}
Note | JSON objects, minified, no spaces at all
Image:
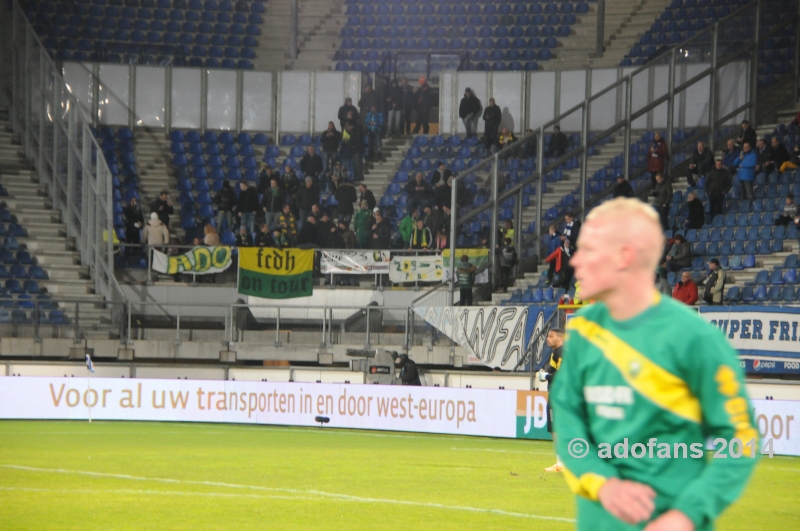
{"x":275,"y":273}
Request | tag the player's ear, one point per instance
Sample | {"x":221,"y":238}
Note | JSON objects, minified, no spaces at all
{"x":626,"y":257}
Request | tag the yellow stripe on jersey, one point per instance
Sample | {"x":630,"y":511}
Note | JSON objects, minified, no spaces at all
{"x":650,"y":380}
{"x":588,"y":485}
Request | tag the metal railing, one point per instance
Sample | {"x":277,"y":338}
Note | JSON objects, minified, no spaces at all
{"x":58,"y":142}
{"x":487,"y":172}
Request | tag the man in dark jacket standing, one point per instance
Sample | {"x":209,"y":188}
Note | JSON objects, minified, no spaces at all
{"x":272,"y":203}
{"x":623,"y":188}
{"x":225,"y":201}
{"x":311,"y":164}
{"x":657,"y":156}
{"x":419,"y":192}
{"x":247,"y":206}
{"x":663,"y":197}
{"x":469,"y":110}
{"x":442,"y":173}
{"x":697,"y":214}
{"x":718,"y":183}
{"x":424,"y":104}
{"x":330,"y":138}
{"x":307,"y":197}
{"x":559,"y":144}
{"x":366,"y":195}
{"x":764,"y":154}
{"x":702,"y":162}
{"x":409,"y":375}
{"x":344,"y":110}
{"x":748,"y":135}
{"x":134,"y":222}
{"x":163,"y":207}
{"x":381,"y":231}
{"x":491,"y":118}
{"x":345,"y":197}
{"x":308,"y":235}
{"x":779,"y":154}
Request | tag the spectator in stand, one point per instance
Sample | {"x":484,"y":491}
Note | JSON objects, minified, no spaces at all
{"x":287,"y":224}
{"x":530,"y":144}
{"x":272,"y":202}
{"x":715,"y":283}
{"x":362,"y":223}
{"x":789,"y":211}
{"x":308,"y":236}
{"x":330,"y":138}
{"x":406,"y":227}
{"x":465,"y":275}
{"x":559,"y":263}
{"x":702,"y":162}
{"x":421,"y":237}
{"x":155,"y":233}
{"x":381,"y":231}
{"x":264,"y":237}
{"x":718,"y":183}
{"x":316,"y":211}
{"x":311,"y":164}
{"x":764,"y":154}
{"x":507,"y":231}
{"x":441,"y":174}
{"x":506,"y":138}
{"x":424,"y":104}
{"x":657,"y":156}
{"x":469,"y":110}
{"x":419,"y":192}
{"x":433,"y":218}
{"x":247,"y":206}
{"x":508,"y":259}
{"x":368,"y":196}
{"x":265,"y":175}
{"x":685,"y":290}
{"x":244,"y":238}
{"x":348,"y":236}
{"x":337,"y":176}
{"x":134,"y":222}
{"x":746,"y":163}
{"x":730,"y":157}
{"x":442,"y":239}
{"x":375,"y":131}
{"x":748,"y":135}
{"x":679,"y":255}
{"x":623,"y":188}
{"x":307,"y":197}
{"x":443,"y":195}
{"x":394,"y":109}
{"x":279,"y":240}
{"x":289,"y":183}
{"x":345,"y":112}
{"x":697,"y":215}
{"x":663,"y":197}
{"x":408,"y":104}
{"x":663,"y":286}
{"x":345,"y":198}
{"x":794,"y":162}
{"x":226,"y":202}
{"x":354,"y":143}
{"x":572,"y":228}
{"x":369,"y":99}
{"x":780,"y":155}
{"x":491,"y":118}
{"x":559,"y":143}
{"x":553,"y":241}
{"x":325,"y":228}
{"x":163,"y":207}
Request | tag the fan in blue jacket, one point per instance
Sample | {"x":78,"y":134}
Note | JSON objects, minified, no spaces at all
{"x":747,"y":162}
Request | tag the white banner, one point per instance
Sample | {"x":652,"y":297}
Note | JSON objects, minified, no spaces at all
{"x":428,"y":268}
{"x":483,"y":412}
{"x":355,"y":262}
{"x":758,"y":330}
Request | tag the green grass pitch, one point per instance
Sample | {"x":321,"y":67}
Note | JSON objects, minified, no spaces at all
{"x":128,"y":475}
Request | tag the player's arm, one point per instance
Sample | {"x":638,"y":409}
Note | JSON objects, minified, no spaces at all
{"x":586,"y":475}
{"x":715,"y":378}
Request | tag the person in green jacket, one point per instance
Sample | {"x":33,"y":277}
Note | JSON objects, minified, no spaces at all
{"x":644,"y":384}
{"x":362,"y":225}
{"x":407,"y":226}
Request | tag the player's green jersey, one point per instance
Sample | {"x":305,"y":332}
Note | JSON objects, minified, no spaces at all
{"x":665,"y":375}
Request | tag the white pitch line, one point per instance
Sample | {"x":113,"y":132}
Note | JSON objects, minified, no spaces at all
{"x":500,"y":451}
{"x":335,"y":496}
{"x":779,"y":469}
{"x":160,"y":493}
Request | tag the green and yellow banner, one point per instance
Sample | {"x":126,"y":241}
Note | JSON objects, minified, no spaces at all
{"x":477,"y":257}
{"x":275,"y":273}
{"x":201,"y":260}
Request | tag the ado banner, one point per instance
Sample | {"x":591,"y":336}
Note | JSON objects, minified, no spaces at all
{"x":199,"y":261}
{"x":427,"y":268}
{"x":354,"y":262}
{"x":275,"y":273}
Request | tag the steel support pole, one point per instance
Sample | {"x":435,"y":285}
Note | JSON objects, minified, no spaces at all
{"x":712,"y":100}
{"x":57,"y":124}
{"x":626,"y":163}
{"x":42,"y":169}
{"x":518,"y":221}
{"x":584,"y":156}
{"x":294,"y":30}
{"x":493,"y":222}
{"x":670,"y":110}
{"x":601,"y":29}
{"x":453,"y":222}
{"x":754,"y":68}
{"x":28,"y":88}
{"x":539,"y":192}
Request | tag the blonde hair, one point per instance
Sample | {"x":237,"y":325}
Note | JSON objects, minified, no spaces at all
{"x":209,"y":229}
{"x":640,"y":226}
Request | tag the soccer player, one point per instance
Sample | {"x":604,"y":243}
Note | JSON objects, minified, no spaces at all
{"x":555,"y":340}
{"x":643,"y":369}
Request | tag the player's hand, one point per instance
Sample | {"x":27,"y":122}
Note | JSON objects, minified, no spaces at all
{"x":629,"y":501}
{"x":672,"y":520}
